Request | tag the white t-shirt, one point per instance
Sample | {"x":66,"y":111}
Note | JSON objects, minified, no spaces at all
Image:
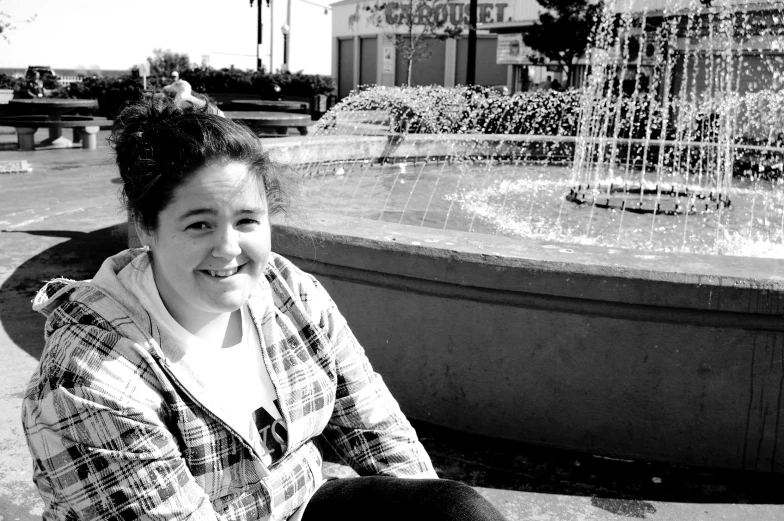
{"x":240,"y":380}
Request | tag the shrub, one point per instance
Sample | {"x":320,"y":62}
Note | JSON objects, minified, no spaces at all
{"x":9,"y":82}
{"x":473,"y":109}
{"x":760,"y":116}
{"x":640,"y":117}
{"x":208,"y":79}
{"x":302,"y":85}
{"x":20,"y":84}
{"x":544,"y":112}
{"x":260,"y":83}
{"x":417,"y":109}
{"x":112,"y":93}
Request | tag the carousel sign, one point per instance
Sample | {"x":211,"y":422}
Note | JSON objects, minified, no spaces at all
{"x":456,"y":14}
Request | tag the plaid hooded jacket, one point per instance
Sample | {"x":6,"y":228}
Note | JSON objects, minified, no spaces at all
{"x":121,"y":426}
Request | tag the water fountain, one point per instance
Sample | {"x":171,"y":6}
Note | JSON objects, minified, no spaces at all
{"x":595,"y":331}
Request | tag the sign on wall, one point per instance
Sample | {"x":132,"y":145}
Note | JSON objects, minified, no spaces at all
{"x":512,"y":51}
{"x":388,"y":64}
{"x":442,"y":12}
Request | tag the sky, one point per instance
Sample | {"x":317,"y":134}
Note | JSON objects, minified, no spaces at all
{"x":113,"y":34}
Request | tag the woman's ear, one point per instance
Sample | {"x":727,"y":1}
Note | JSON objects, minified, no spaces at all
{"x":145,"y":236}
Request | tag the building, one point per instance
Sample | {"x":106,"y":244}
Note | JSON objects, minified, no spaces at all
{"x":732,"y":46}
{"x":364,"y":53}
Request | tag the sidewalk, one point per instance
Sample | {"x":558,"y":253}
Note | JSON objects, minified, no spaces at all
{"x":64,"y":218}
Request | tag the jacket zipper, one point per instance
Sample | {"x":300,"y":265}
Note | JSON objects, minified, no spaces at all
{"x":165,"y":366}
{"x":272,"y":377}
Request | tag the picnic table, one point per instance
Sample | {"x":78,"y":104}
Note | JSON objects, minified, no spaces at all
{"x":263,"y":122}
{"x":53,"y":109}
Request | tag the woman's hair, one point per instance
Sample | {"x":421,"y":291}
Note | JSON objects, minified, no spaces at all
{"x":158,"y":145}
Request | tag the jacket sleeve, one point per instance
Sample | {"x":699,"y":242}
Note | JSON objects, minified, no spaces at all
{"x":367,"y":426}
{"x":99,"y":446}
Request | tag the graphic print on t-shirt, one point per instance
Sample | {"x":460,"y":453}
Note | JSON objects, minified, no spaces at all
{"x":273,"y":432}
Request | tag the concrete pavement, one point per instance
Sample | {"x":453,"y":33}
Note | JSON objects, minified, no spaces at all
{"x":64,"y":218}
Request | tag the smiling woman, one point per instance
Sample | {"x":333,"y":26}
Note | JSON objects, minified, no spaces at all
{"x":195,"y":378}
{"x":211,"y":246}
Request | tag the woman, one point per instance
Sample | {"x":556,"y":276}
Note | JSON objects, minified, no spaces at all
{"x":192,"y":378}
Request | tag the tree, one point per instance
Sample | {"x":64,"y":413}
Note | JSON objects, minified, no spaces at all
{"x":412,"y":25}
{"x":162,"y":63}
{"x":8,"y":23}
{"x":563,"y":31}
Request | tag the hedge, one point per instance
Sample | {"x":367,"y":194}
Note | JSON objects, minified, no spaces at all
{"x":113,"y":93}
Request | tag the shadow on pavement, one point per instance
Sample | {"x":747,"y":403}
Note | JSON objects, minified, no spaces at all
{"x":79,"y":257}
{"x":622,"y":487}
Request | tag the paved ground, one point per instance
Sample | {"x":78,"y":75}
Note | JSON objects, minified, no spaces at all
{"x":63,"y":218}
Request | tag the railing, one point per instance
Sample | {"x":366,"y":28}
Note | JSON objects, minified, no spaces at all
{"x":67,"y":80}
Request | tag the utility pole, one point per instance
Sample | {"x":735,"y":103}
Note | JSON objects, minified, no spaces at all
{"x":471,"y":65}
{"x":259,"y":32}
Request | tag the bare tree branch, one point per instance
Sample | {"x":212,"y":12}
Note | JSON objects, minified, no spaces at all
{"x":412,"y":25}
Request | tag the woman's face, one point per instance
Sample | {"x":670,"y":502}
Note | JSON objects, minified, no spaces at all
{"x":212,"y":243}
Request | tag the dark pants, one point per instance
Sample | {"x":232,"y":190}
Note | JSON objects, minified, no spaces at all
{"x":380,"y":498}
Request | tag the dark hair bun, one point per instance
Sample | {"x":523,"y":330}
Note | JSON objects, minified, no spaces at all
{"x":158,"y":144}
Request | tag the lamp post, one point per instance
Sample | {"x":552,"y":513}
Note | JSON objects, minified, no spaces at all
{"x":285,"y":29}
{"x":272,"y":40}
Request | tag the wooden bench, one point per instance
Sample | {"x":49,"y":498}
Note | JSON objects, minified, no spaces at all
{"x":84,"y":128}
{"x":264,"y":123}
{"x":300,"y":107}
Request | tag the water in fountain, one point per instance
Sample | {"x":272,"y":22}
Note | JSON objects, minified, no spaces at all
{"x":711,"y":96}
{"x":665,"y":119}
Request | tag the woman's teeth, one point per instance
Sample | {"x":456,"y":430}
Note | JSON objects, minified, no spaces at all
{"x":223,"y":273}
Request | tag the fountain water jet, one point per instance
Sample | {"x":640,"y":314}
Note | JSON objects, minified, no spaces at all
{"x":677,"y":35}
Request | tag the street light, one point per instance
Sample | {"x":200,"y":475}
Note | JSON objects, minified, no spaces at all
{"x":285,"y":29}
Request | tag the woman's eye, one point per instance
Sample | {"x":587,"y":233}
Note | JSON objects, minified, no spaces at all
{"x":248,"y":222}
{"x":197,"y":226}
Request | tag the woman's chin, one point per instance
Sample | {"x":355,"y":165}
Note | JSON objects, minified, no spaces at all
{"x":225,"y":293}
{"x":228,"y":304}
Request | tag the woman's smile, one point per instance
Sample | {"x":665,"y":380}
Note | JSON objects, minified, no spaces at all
{"x":223,"y":273}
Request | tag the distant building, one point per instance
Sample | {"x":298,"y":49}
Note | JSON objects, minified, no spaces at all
{"x":364,"y":54}
{"x":727,"y":45}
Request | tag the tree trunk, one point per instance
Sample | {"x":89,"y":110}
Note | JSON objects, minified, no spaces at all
{"x":567,"y":68}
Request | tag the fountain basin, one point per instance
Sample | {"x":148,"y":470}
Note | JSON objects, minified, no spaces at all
{"x":663,"y":357}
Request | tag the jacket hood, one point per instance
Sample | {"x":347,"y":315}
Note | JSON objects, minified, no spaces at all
{"x":106,"y":297}
{"x":57,"y":291}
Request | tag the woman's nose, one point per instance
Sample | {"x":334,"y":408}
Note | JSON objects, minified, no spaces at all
{"x":227,"y":244}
